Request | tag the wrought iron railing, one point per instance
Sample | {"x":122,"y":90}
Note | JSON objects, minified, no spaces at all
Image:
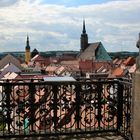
{"x":38,"y":108}
{"x":126,"y":128}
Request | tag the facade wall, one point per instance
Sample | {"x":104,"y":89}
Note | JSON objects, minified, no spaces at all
{"x":92,"y":66}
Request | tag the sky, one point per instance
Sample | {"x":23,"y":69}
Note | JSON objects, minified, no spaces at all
{"x":57,"y":24}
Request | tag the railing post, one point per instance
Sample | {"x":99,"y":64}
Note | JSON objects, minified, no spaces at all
{"x":8,"y":90}
{"x":120,"y":106}
{"x":136,"y":106}
{"x":32,"y":109}
{"x":55,"y":103}
{"x":99,"y":116}
{"x":78,"y":102}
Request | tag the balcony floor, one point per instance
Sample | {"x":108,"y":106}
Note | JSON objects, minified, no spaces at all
{"x":85,"y":137}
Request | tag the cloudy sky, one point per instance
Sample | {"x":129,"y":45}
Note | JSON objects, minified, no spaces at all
{"x":57,"y":24}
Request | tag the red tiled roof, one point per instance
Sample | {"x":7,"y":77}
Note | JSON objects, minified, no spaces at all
{"x":129,"y":61}
{"x":74,"y":63}
{"x":118,"y":72}
{"x":91,"y":66}
{"x":38,"y":58}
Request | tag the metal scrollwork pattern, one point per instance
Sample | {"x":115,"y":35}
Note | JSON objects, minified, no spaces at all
{"x":35,"y":108}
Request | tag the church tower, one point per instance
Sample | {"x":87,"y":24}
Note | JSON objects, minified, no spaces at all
{"x":27,"y":51}
{"x":84,"y":38}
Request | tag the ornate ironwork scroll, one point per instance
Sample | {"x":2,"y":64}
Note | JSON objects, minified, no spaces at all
{"x":41,"y":108}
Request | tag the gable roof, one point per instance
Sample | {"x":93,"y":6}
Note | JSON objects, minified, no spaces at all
{"x":10,"y":59}
{"x":38,"y":58}
{"x":10,"y":68}
{"x":35,"y":51}
{"x":89,"y":52}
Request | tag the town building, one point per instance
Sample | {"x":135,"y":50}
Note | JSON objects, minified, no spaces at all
{"x":92,"y":51}
{"x":92,"y":56}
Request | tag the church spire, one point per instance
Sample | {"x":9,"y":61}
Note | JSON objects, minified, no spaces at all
{"x":84,"y":38}
{"x":27,"y":51}
{"x":84,"y":28}
{"x":27,"y":43}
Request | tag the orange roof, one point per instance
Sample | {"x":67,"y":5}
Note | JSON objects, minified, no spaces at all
{"x":51,"y":68}
{"x":118,"y":72}
{"x":129,"y":61}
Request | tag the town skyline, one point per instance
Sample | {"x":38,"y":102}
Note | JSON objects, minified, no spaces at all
{"x":53,"y":25}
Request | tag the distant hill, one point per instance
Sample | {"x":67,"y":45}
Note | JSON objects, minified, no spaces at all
{"x":123,"y":54}
{"x":58,"y":53}
{"x":21,"y":55}
{"x":113,"y":55}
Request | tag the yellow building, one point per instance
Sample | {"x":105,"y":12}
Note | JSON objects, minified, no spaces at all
{"x":27,"y":51}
